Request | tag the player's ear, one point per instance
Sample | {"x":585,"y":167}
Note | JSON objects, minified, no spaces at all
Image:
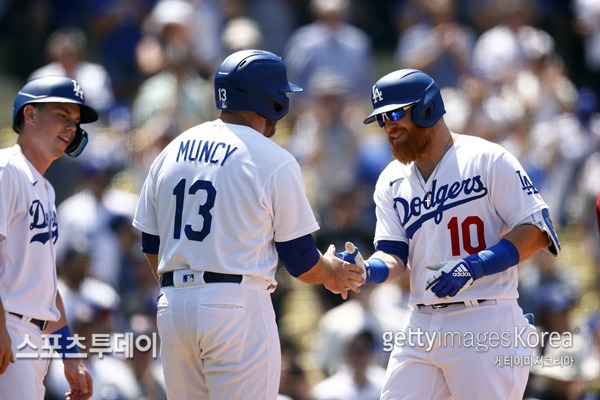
{"x":29,"y":113}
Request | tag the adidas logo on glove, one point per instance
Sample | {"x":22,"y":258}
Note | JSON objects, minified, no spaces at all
{"x":461,"y":270}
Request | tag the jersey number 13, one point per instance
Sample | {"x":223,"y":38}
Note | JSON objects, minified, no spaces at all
{"x":203,"y":209}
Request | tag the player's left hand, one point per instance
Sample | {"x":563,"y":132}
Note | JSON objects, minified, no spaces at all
{"x":451,"y":277}
{"x":79,"y":378}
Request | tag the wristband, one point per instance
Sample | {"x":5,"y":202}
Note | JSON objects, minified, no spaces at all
{"x":377,"y":270}
{"x":64,"y":337}
{"x":497,"y":258}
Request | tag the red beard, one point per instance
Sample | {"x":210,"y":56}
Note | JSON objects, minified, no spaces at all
{"x":417,"y":142}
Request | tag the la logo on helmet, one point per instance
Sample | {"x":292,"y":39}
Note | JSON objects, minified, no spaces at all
{"x":77,"y":89}
{"x":377,"y":94}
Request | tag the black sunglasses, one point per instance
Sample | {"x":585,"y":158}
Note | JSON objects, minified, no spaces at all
{"x":394,"y":115}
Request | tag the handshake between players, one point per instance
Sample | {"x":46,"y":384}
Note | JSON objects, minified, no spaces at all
{"x":449,"y":279}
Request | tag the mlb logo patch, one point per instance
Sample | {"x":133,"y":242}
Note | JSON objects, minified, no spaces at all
{"x":188,"y":278}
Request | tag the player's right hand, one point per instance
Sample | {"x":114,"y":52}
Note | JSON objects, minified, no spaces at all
{"x":6,"y":355}
{"x":79,"y":378}
{"x":345,"y":276}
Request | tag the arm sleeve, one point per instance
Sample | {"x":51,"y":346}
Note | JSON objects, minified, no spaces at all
{"x":150,"y":243}
{"x":298,"y":255}
{"x":398,"y":249}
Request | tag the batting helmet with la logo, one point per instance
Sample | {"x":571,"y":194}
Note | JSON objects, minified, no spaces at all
{"x":56,"y":89}
{"x":407,"y":87}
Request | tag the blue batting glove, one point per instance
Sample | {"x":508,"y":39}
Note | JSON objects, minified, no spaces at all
{"x":348,"y":257}
{"x":451,"y":277}
{"x":354,"y":258}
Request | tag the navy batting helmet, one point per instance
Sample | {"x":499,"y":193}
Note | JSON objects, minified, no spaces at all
{"x":404,"y":87}
{"x":56,"y":89}
{"x":254,"y":80}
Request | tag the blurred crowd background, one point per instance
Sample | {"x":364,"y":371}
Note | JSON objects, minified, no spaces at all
{"x":522,"y":73}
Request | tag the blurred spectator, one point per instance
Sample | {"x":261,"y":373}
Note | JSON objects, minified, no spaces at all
{"x":294,"y":381}
{"x":241,"y":33}
{"x":326,"y":137}
{"x":138,"y":287}
{"x":543,"y":90}
{"x":559,"y":149}
{"x":86,"y":218}
{"x":439,"y":45}
{"x":565,"y":372}
{"x":276,"y":19}
{"x":146,"y":368}
{"x":358,"y":378}
{"x":587,"y":21}
{"x":209,"y":18}
{"x":176,"y":97}
{"x":79,"y":290}
{"x":330,"y":43}
{"x":549,"y":292}
{"x":598,"y":210}
{"x":115,"y":26}
{"x":65,"y":50}
{"x":377,"y":309}
{"x":498,"y":52}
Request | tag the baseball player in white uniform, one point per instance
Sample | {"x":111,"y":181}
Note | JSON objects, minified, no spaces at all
{"x":220,"y":204}
{"x":47,"y":115}
{"x":458,"y":213}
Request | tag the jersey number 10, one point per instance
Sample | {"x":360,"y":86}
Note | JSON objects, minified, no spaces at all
{"x":203,"y":210}
{"x":465,"y":230}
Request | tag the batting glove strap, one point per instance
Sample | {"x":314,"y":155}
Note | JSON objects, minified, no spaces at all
{"x":497,"y":258}
{"x":377,"y":270}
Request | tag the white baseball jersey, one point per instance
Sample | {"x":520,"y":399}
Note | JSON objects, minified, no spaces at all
{"x":28,"y":234}
{"x":218,"y":196}
{"x":478,"y":192}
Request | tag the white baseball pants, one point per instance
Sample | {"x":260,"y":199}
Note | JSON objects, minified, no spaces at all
{"x":219,"y":341}
{"x":25,"y":378}
{"x":460,"y":362}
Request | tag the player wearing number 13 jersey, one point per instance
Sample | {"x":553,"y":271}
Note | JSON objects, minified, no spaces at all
{"x":458,"y":213}
{"x":221,"y":204}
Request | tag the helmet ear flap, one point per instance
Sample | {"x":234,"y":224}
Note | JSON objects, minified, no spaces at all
{"x":78,"y":144}
{"x":429,"y":109}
